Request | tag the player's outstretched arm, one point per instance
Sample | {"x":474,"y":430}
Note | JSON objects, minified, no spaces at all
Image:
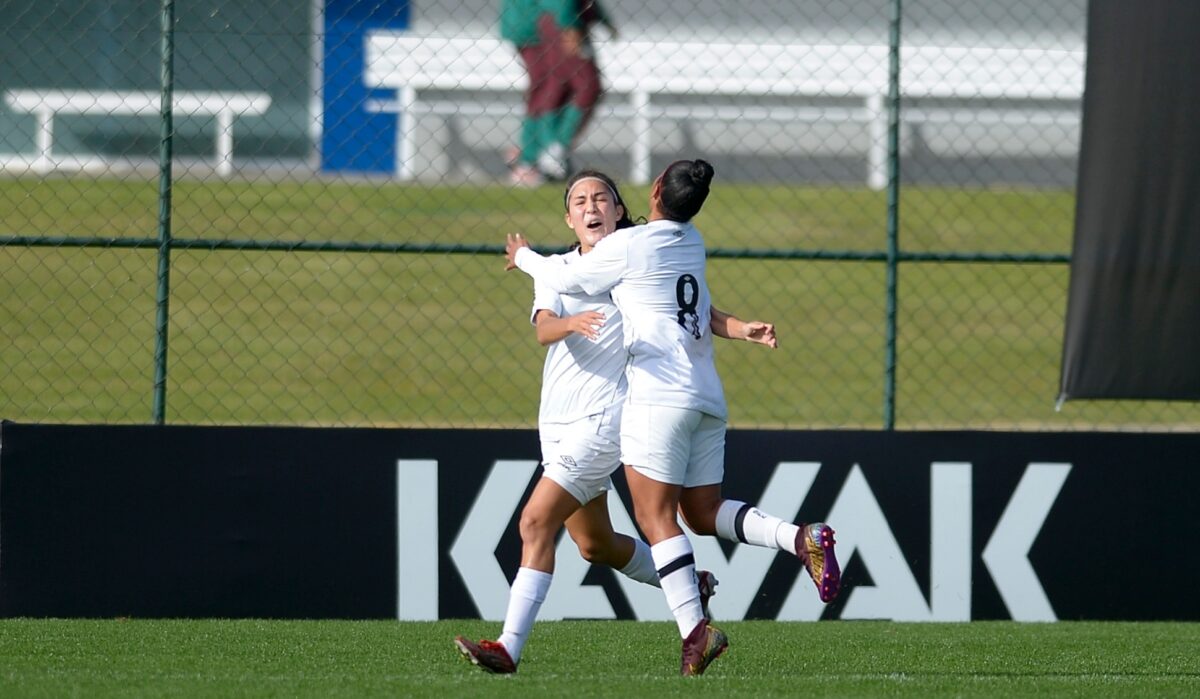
{"x":731,"y":327}
{"x":512,"y":243}
{"x":594,"y":273}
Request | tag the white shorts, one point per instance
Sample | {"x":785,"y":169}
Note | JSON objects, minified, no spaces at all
{"x":581,"y":456}
{"x":673,"y":445}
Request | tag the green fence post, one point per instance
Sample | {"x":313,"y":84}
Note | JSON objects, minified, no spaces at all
{"x":163,"y":296}
{"x":893,"y":216}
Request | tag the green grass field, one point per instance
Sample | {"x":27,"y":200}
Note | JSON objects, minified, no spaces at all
{"x":108,"y":658}
{"x":440,"y":339}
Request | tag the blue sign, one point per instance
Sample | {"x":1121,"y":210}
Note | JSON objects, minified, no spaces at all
{"x":353,"y":139}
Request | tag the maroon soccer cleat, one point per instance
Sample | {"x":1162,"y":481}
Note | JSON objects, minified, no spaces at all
{"x":702,"y":646}
{"x":707,"y":582}
{"x":814,"y":546}
{"x":489,"y":655}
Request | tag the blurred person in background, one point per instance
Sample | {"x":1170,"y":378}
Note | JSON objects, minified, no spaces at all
{"x":553,"y":39}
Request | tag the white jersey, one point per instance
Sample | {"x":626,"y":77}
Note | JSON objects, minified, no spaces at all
{"x":656,"y":275}
{"x":581,"y":377}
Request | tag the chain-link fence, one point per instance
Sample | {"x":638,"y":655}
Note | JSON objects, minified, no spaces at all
{"x":894,"y":190}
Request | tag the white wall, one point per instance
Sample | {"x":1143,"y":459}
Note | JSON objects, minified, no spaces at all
{"x":1043,"y":23}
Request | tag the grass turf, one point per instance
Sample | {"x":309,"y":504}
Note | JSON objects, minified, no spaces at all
{"x":437,"y":339}
{"x":255,"y":658}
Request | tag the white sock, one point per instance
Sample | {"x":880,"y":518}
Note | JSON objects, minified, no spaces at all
{"x":677,"y":570}
{"x":641,"y":566}
{"x":738,"y":521}
{"x":524,"y":600}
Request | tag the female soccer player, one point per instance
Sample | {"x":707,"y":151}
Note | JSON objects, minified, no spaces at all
{"x":673,"y":423}
{"x":583,"y":390}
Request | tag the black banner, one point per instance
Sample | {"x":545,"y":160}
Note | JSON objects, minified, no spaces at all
{"x":1133,"y":312}
{"x":421,"y":524}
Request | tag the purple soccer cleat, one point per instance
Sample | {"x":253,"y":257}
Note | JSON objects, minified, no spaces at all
{"x":814,"y":546}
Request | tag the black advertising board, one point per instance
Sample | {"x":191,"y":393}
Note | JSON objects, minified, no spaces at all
{"x":144,"y":521}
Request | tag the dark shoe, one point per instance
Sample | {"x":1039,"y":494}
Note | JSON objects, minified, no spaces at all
{"x":489,"y":655}
{"x":702,"y":646}
{"x":814,"y":546}
{"x":707,"y":582}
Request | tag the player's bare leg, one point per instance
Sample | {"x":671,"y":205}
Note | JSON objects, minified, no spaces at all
{"x":655,"y":505}
{"x":590,"y":527}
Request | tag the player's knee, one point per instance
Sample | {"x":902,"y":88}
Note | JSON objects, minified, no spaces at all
{"x":701,"y":518}
{"x":592,"y":551}
{"x":536,"y":528}
{"x":657,"y":525}
{"x":700,"y":525}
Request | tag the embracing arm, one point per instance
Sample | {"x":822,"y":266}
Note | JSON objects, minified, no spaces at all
{"x":731,"y":327}
{"x":598,"y":271}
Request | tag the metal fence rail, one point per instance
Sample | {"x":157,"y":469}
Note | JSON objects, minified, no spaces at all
{"x":900,"y":206}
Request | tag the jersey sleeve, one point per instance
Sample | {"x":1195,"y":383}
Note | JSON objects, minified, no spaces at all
{"x":593,"y":273}
{"x":545,"y":299}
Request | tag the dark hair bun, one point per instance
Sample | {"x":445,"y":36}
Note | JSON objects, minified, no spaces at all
{"x":701,"y":172}
{"x":684,"y":187}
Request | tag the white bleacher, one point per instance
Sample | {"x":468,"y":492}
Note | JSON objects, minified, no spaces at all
{"x":644,"y":81}
{"x":48,"y":104}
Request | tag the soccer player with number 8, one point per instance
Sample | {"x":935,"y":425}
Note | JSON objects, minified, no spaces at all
{"x":674,"y":420}
{"x":583,"y":391}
